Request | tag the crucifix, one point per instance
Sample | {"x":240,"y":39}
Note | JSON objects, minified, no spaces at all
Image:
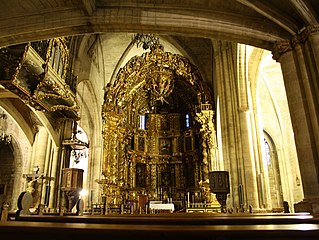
{"x":32,"y":178}
{"x":33,"y":186}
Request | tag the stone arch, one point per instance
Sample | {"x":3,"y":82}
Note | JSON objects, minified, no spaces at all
{"x":128,"y":49}
{"x":7,"y":166}
{"x":273,"y":119}
{"x":274,"y":174}
{"x":253,"y":66}
{"x":90,"y":121}
{"x":89,"y":106}
{"x":18,"y":118}
{"x":16,"y":182}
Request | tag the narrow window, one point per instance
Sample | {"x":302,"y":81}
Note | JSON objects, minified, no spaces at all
{"x":53,"y":55}
{"x":267,"y":151}
{"x":142,"y":122}
{"x":187,"y":120}
{"x":57,"y":59}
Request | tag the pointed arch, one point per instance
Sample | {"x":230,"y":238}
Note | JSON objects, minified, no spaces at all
{"x":274,"y":175}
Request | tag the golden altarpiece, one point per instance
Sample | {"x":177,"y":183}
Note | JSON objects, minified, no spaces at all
{"x":158,"y":131}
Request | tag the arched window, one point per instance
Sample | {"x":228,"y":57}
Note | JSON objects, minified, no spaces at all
{"x":267,"y":152}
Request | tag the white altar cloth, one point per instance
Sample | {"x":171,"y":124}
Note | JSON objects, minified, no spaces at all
{"x":162,"y":206}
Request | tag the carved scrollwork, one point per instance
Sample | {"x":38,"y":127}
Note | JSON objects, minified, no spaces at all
{"x":171,"y":83}
{"x":154,"y":71}
{"x":38,"y":75}
{"x":313,"y":29}
{"x":300,"y":38}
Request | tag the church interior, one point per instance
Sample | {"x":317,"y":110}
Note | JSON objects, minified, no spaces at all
{"x":162,"y":119}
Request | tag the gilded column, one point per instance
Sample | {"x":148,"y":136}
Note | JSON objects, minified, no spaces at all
{"x":206,"y":118}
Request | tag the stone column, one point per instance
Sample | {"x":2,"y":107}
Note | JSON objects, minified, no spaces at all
{"x":41,"y":149}
{"x":255,"y":174}
{"x":227,"y":118}
{"x":37,"y":167}
{"x":61,"y":159}
{"x":46,"y":171}
{"x":299,"y":61}
{"x":94,"y":173}
{"x":235,"y":122}
{"x":53,"y":199}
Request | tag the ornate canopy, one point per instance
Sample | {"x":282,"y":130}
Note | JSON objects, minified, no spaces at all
{"x":147,"y":82}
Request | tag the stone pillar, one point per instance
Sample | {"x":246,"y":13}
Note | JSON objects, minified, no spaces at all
{"x":94,"y":171}
{"x":41,"y":149}
{"x":246,"y":129}
{"x":227,"y":118}
{"x":61,"y":159}
{"x":39,"y":157}
{"x":53,"y":199}
{"x":299,"y":61}
{"x":235,"y":121}
{"x":46,"y":170}
{"x":250,"y":136}
{"x":248,"y":159}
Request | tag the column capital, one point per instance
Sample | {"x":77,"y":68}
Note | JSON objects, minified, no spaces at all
{"x":313,"y":29}
{"x":281,"y":48}
{"x":304,"y":35}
